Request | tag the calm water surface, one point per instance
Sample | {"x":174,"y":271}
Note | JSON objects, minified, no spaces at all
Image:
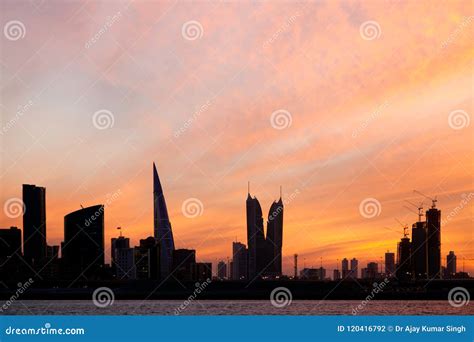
{"x":243,"y":307}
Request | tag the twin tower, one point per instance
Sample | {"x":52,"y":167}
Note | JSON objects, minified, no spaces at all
{"x":264,"y":253}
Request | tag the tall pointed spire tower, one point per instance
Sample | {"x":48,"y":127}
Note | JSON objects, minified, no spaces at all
{"x":162,"y":226}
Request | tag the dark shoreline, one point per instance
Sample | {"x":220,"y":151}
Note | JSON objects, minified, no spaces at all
{"x":237,"y":290}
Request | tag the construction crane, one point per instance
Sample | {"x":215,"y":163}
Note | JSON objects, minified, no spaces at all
{"x":418,"y":207}
{"x":405,"y":228}
{"x":433,"y":200}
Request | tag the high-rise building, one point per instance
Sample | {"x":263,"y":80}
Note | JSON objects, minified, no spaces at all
{"x":201,"y":271}
{"x":345,"y":268}
{"x":239,"y":261}
{"x":183,"y":261}
{"x":403,"y":271}
{"x":147,"y":259}
{"x":222,"y":270}
{"x":83,"y":246}
{"x":313,"y":273}
{"x":372,"y":270}
{"x":451,"y":264}
{"x":162,"y":226}
{"x":354,"y":268}
{"x":389,"y":264}
{"x":336,"y":275}
{"x":433,"y":237}
{"x":418,"y":250}
{"x":255,"y":239}
{"x":34,"y":224}
{"x":10,"y":253}
{"x":274,"y":239}
{"x":123,"y":258}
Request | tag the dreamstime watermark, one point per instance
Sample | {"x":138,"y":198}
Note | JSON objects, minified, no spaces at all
{"x":200,"y":287}
{"x":14,"y":207}
{"x":192,"y":30}
{"x":281,"y":297}
{"x":374,"y":115}
{"x":103,"y":297}
{"x":466,"y":198}
{"x":110,"y":198}
{"x":285,"y":27}
{"x":370,"y":208}
{"x":376,"y":289}
{"x":370,"y":30}
{"x":466,"y":22}
{"x":20,"y":290}
{"x":14,"y":30}
{"x":46,"y":330}
{"x":103,"y":119}
{"x":286,"y":201}
{"x":192,"y":207}
{"x":281,"y":119}
{"x":188,"y":123}
{"x":458,"y":296}
{"x":109,"y":22}
{"x":22,"y":110}
{"x":459,"y":119}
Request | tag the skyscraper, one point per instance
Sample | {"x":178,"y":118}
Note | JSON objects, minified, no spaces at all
{"x":255,"y":239}
{"x":274,"y":238}
{"x":162,"y":226}
{"x":345,"y":268}
{"x":403,"y":259}
{"x":34,"y":224}
{"x":418,"y":249}
{"x":83,"y":246}
{"x":433,"y":232}
{"x":239,"y":261}
{"x":451,"y":264}
{"x":389,"y":264}
{"x":354,"y":268}
{"x":222,"y":270}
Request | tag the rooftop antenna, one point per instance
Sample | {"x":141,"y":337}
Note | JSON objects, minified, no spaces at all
{"x":248,"y":187}
{"x":433,"y":200}
{"x":120,"y":228}
{"x":81,"y":206}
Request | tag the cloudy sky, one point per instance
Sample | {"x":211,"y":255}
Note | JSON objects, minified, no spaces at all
{"x":349,"y":106}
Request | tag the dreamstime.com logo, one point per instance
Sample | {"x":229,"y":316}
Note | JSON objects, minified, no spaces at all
{"x":370,"y":208}
{"x":370,"y":30}
{"x":103,"y":119}
{"x":281,"y":297}
{"x":458,"y":296}
{"x":192,"y":30}
{"x":281,"y":119}
{"x":459,"y":119}
{"x":103,"y":297}
{"x":192,"y":207}
{"x":14,"y":207}
{"x":14,"y":30}
{"x":46,"y":330}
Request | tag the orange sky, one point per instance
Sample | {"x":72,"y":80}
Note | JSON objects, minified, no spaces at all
{"x":374,"y":114}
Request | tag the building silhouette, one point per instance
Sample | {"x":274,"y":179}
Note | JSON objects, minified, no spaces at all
{"x":451,"y":265}
{"x":239,"y":261}
{"x":433,"y":232}
{"x":336,"y":275}
{"x":389,"y":264}
{"x":345,"y":268}
{"x":162,"y":227}
{"x":354,"y":268}
{"x":222,"y":270}
{"x":83,"y":246}
{"x":255,"y":238}
{"x":274,"y":239}
{"x":123,"y":258}
{"x":10,"y":252}
{"x":419,"y":250}
{"x":404,"y":259}
{"x":183,"y":263}
{"x":147,"y":259}
{"x":34,"y":224}
{"x":372,"y":270}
